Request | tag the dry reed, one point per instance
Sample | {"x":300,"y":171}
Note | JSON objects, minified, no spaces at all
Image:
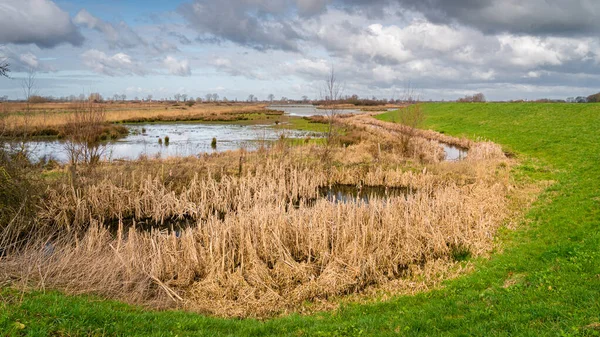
{"x":259,"y":240}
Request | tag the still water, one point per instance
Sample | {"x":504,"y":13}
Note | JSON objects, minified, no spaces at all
{"x":184,"y":140}
{"x":454,"y":153}
{"x":307,"y":110}
{"x":340,"y":193}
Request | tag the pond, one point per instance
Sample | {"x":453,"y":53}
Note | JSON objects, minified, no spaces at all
{"x":307,"y":110}
{"x":454,"y":153}
{"x":185,"y":139}
{"x":340,"y":193}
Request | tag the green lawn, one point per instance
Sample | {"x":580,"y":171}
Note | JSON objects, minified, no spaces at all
{"x":552,"y":263}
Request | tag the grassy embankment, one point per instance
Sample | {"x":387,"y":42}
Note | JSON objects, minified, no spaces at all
{"x":544,"y":279}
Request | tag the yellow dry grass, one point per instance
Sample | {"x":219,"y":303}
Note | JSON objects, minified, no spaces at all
{"x":260,"y":241}
{"x":35,"y":116}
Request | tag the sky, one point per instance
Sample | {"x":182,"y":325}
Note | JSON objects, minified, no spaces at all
{"x":440,"y":49}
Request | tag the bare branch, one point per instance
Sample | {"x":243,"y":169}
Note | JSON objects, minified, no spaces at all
{"x":4,"y":69}
{"x":29,"y":84}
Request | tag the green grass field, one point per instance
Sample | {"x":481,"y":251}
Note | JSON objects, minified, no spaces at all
{"x":544,"y":282}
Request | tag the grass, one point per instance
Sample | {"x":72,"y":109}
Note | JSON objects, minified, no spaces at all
{"x":544,"y":280}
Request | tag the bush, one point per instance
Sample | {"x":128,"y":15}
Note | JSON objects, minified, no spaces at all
{"x":477,"y":98}
{"x":595,"y":98}
{"x":20,"y":193}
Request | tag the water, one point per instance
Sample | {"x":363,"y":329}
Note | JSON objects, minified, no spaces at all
{"x":340,"y":193}
{"x":307,"y":110}
{"x":454,"y":153}
{"x":184,"y":140}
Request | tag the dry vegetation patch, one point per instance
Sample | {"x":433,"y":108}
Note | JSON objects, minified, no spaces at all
{"x":248,"y":234}
{"x":53,"y":119}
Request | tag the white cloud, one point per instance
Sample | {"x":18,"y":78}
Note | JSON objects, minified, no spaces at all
{"x":176,"y":67}
{"x":117,"y":65}
{"x":30,"y":60}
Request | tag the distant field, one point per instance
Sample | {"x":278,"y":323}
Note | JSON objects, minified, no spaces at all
{"x":52,"y":114}
{"x":542,"y":279}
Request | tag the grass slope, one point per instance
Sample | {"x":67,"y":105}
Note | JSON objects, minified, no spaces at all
{"x":546,"y":281}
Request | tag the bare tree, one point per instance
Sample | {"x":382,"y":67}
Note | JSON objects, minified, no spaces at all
{"x":304,"y":99}
{"x":29,"y":84}
{"x":95,"y":97}
{"x":251,"y":98}
{"x":184,"y":97}
{"x":177,"y":97}
{"x":271,"y":97}
{"x":123,"y":97}
{"x":215,"y":97}
{"x":330,"y":94}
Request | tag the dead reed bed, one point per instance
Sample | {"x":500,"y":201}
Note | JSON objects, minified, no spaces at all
{"x":364,"y":120}
{"x":248,"y":234}
{"x":51,"y":119}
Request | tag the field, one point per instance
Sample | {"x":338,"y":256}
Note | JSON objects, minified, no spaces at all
{"x":542,"y":277}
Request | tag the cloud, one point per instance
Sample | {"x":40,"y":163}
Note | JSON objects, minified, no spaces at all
{"x":244,"y":68}
{"x":182,"y":38}
{"x":258,"y":24}
{"x":176,"y":67}
{"x":533,"y":17}
{"x":119,"y":64}
{"x":161,"y":47}
{"x":39,"y":22}
{"x":20,"y":60}
{"x":117,"y":36}
{"x":311,"y":7}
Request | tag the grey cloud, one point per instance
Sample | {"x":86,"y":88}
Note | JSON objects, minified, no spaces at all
{"x":534,"y":17}
{"x":23,"y":60}
{"x":40,"y":22}
{"x":117,"y":36}
{"x":311,"y":7}
{"x":161,"y":47}
{"x":259,"y":24}
{"x":180,"y":37}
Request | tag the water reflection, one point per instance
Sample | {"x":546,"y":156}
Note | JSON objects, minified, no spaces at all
{"x":307,"y":110}
{"x":340,"y":193}
{"x":454,"y":153}
{"x":184,"y":140}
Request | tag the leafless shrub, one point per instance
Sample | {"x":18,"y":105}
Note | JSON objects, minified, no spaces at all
{"x":83,"y":129}
{"x":413,"y":118}
{"x":330,"y":94}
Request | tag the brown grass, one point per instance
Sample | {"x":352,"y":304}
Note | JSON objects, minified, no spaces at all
{"x":258,"y":240}
{"x":50,"y":118}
